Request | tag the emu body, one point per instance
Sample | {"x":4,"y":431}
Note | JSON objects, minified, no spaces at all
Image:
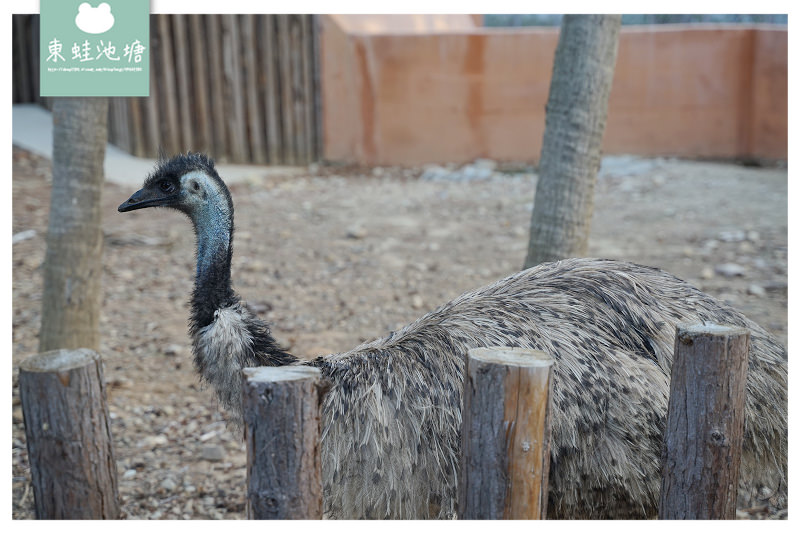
{"x":391,"y":420}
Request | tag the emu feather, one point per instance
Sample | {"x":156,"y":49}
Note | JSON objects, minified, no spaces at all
{"x":391,"y":420}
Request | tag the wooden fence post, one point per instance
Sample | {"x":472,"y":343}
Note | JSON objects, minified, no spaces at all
{"x":505,"y":435}
{"x":67,"y":427}
{"x":282,"y":431}
{"x":705,"y":421}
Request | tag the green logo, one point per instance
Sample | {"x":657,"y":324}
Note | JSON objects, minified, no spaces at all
{"x":99,"y":48}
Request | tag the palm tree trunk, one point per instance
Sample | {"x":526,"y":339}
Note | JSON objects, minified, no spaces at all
{"x":576,"y":118}
{"x":73,"y":263}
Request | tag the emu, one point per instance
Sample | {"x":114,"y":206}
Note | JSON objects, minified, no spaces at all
{"x":391,"y":420}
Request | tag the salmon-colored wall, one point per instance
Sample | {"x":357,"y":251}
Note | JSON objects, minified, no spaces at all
{"x":410,"y":96}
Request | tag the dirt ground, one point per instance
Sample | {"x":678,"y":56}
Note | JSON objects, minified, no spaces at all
{"x":343,"y":255}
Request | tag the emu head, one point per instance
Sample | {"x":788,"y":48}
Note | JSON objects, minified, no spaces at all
{"x":188,"y":183}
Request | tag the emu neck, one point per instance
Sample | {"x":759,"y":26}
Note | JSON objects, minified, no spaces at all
{"x":212,"y":290}
{"x":239,"y":339}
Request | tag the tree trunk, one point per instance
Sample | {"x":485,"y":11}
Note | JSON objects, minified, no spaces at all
{"x":281,"y":407}
{"x":73,"y":263}
{"x":576,"y":118}
{"x":705,"y":423}
{"x":505,"y":434}
{"x":68,"y":431}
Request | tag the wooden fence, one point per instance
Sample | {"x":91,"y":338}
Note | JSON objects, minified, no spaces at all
{"x":244,"y":88}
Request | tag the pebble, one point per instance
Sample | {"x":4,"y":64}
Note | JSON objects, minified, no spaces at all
{"x":23,"y":236}
{"x":732,"y":236}
{"x":212,"y":453}
{"x":169,"y":484}
{"x":756,"y":290}
{"x":356,"y":232}
{"x":707,"y":273}
{"x":129,"y":474}
{"x":416,"y":301}
{"x":485,"y":164}
{"x":153,"y":441}
{"x":207,"y":436}
{"x":745,"y":247}
{"x":729,"y":270}
{"x":173,"y":350}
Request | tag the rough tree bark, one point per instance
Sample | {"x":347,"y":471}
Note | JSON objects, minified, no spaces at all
{"x":576,"y":118}
{"x":281,"y":408}
{"x":68,"y":432}
{"x":73,"y":262}
{"x":705,"y":423}
{"x":505,"y":434}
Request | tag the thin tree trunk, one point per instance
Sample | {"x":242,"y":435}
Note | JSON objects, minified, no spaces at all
{"x":73,"y":262}
{"x":576,"y":118}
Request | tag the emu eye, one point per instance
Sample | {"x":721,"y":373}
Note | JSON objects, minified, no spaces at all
{"x":195,"y":186}
{"x":166,"y":187}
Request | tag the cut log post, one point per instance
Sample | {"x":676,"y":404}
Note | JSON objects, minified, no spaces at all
{"x":67,"y":427}
{"x":705,"y":421}
{"x":505,"y":434}
{"x":282,"y":432}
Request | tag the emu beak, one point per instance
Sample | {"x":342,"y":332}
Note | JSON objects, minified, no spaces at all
{"x":146,"y":198}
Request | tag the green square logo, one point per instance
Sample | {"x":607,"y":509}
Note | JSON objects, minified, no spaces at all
{"x":95,"y":48}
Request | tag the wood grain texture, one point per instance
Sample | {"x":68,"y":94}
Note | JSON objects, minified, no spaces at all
{"x":255,"y":128}
{"x":282,"y":430}
{"x":68,"y":433}
{"x":705,"y":423}
{"x":505,"y":434}
{"x":243,"y":88}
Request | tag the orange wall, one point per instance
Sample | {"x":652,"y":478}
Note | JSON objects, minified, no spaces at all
{"x":411,"y":96}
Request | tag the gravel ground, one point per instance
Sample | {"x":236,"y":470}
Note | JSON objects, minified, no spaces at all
{"x":344,"y":255}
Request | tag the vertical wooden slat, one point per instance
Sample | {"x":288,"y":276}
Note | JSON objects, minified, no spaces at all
{"x":317,"y":117}
{"x":298,"y":93}
{"x":234,"y":100}
{"x":285,"y":66}
{"x":271,"y":92}
{"x":202,"y":118}
{"x":135,"y":114}
{"x":215,"y":75}
{"x":21,"y":37}
{"x":33,"y":57}
{"x":166,"y":76}
{"x":114,"y":126}
{"x":182,"y":49}
{"x":125,"y":119}
{"x":152,"y":123}
{"x":118,"y":128}
{"x":308,"y":90}
{"x":255,"y":129}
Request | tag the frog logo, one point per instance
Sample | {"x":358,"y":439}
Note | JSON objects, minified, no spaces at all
{"x":94,"y":19}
